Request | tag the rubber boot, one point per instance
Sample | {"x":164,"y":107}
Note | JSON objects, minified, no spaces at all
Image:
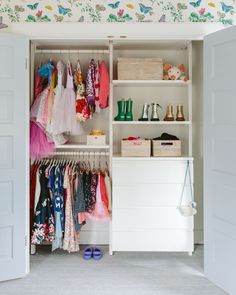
{"x":121,"y":111}
{"x":129,"y":110}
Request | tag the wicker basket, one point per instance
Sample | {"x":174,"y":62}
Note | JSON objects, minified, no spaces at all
{"x":166,"y":148}
{"x":140,"y":68}
{"x":136,"y":148}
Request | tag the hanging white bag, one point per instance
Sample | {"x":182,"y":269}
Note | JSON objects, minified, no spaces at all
{"x":190,"y":208}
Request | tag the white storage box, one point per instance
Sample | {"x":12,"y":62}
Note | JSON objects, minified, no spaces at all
{"x":136,"y":148}
{"x":140,"y":68}
{"x":166,"y":148}
{"x":96,"y":139}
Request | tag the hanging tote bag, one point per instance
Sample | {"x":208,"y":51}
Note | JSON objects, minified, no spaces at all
{"x":190,"y":208}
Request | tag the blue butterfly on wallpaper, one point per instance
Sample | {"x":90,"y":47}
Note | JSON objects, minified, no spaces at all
{"x":145,"y":9}
{"x":196,"y":4}
{"x":64,"y":11}
{"x":226,"y":8}
{"x":33,"y":6}
{"x":114,"y":5}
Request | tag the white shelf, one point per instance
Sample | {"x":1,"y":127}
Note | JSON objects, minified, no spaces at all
{"x":151,"y":122}
{"x":183,"y":158}
{"x":71,"y":146}
{"x":165,"y":83}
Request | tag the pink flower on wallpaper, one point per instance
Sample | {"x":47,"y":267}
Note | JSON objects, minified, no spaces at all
{"x":120,"y":12}
{"x":202,"y":11}
{"x":39,"y":13}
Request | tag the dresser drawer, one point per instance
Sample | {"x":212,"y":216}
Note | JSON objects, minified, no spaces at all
{"x":153,"y":240}
{"x":134,"y":219}
{"x":148,"y":195}
{"x":149,"y":171}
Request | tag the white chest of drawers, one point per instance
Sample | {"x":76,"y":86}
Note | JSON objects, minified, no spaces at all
{"x":146,"y":193}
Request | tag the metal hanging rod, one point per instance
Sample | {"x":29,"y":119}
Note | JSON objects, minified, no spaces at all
{"x":69,"y":51}
{"x":81,"y":154}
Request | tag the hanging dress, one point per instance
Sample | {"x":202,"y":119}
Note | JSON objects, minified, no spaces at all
{"x":100,"y":212}
{"x":70,"y":124}
{"x":108,"y":189}
{"x":97,"y":88}
{"x":90,"y":87}
{"x":82,"y":109}
{"x":43,"y":228}
{"x":104,"y":86}
{"x":70,"y":242}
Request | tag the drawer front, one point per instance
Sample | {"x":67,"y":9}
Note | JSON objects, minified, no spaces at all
{"x":153,"y":240}
{"x":148,"y":195}
{"x":133,"y":172}
{"x":134,"y":219}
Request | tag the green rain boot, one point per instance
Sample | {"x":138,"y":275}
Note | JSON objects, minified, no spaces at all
{"x":121,"y":111}
{"x":129,"y":110}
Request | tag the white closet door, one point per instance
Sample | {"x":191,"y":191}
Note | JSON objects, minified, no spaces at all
{"x":220,"y":158}
{"x":13,"y":156}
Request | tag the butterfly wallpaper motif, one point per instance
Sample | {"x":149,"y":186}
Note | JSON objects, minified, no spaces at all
{"x":117,"y":11}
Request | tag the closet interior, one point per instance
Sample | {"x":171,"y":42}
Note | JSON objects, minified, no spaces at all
{"x":145,"y":190}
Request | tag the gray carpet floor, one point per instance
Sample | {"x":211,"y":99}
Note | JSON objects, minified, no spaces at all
{"x":60,"y":273}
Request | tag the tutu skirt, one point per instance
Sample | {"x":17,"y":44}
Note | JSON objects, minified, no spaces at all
{"x":40,"y":147}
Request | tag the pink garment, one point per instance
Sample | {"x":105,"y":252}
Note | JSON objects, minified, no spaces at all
{"x":40,"y":147}
{"x":104,"y":86}
{"x":100,"y":211}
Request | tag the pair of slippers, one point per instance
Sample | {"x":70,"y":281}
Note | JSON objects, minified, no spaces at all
{"x":92,"y":252}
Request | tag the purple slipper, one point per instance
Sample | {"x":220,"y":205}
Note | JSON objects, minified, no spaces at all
{"x":97,"y":253}
{"x":88,"y":253}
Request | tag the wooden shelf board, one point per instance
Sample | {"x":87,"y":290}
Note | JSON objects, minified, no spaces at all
{"x":81,"y":146}
{"x":167,"y":83}
{"x":151,"y":123}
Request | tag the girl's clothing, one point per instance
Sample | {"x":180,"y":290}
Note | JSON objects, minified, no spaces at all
{"x":100,"y":211}
{"x":43,"y":228}
{"x":97,"y":88}
{"x":90,"y":88}
{"x":82,"y":109}
{"x":108,"y":189}
{"x":70,"y":238}
{"x":104,"y":86}
{"x":70,"y":125}
{"x":40,"y":147}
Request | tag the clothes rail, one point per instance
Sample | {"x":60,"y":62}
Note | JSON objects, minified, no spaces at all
{"x":81,"y":153}
{"x":69,"y":51}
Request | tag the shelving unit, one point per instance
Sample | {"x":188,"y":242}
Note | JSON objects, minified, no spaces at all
{"x":143,"y":83}
{"x":76,"y":146}
{"x":151,"y":123}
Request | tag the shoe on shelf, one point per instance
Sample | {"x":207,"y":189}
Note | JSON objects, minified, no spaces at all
{"x":129,"y":110}
{"x":121,"y":110}
{"x":144,"y":116}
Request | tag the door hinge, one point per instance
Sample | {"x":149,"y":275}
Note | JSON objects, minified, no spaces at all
{"x":26,"y":241}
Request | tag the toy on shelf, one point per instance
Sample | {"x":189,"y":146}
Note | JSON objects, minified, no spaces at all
{"x":174,"y":72}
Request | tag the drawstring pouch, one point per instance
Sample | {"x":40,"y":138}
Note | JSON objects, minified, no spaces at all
{"x":190,"y":208}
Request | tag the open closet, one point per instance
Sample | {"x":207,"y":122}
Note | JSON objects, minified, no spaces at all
{"x":149,"y":192}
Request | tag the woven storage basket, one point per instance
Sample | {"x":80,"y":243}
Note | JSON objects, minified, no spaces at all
{"x":136,"y":148}
{"x":140,"y":68}
{"x":166,"y":148}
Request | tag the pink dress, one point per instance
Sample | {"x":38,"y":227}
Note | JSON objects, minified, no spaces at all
{"x":70,"y":124}
{"x":70,"y":242}
{"x":104,"y":86}
{"x":100,"y":211}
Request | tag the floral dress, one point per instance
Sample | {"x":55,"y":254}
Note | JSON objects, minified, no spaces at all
{"x":43,"y":228}
{"x":70,"y":237}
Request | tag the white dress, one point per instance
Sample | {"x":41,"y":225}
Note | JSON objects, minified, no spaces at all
{"x":70,"y":124}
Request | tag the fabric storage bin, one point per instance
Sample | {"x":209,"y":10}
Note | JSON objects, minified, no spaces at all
{"x":136,"y":148}
{"x":140,"y":68}
{"x":96,"y":139}
{"x":166,"y":148}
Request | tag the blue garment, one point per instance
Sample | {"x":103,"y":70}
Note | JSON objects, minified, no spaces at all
{"x":56,"y":185}
{"x":79,"y":203}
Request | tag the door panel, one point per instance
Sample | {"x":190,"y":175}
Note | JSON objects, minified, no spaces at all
{"x":220,"y":158}
{"x":13,"y":155}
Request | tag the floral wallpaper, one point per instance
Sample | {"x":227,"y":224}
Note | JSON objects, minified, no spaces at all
{"x":117,"y":11}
